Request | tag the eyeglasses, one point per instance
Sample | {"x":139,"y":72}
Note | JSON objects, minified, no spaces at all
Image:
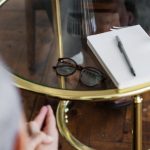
{"x":89,"y":76}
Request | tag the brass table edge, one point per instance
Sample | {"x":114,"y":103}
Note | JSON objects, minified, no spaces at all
{"x":96,"y":95}
{"x":60,"y":116}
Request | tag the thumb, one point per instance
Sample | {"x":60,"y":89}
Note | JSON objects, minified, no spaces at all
{"x":40,"y":138}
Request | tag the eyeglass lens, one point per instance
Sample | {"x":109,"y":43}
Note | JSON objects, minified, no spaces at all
{"x":66,"y":67}
{"x":89,"y":76}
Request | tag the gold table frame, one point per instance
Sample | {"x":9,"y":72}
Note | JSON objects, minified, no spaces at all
{"x":89,"y":96}
{"x":85,"y":96}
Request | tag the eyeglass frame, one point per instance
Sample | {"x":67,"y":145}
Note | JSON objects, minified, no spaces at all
{"x":80,"y":68}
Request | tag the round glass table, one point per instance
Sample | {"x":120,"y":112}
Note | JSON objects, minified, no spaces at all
{"x":34,"y":48}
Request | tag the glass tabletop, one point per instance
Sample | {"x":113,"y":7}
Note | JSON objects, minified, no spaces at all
{"x":29,"y":40}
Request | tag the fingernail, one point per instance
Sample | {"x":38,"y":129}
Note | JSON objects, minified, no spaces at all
{"x":43,"y":108}
{"x":49,"y":108}
{"x":48,"y":139}
{"x":33,"y":127}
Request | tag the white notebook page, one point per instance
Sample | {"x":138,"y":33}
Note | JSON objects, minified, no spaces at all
{"x":137,"y":45}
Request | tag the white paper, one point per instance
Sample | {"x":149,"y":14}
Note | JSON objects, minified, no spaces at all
{"x":137,"y":46}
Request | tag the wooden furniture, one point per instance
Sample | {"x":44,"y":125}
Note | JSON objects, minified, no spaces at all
{"x":31,"y":6}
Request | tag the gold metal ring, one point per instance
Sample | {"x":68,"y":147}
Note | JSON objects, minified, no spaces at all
{"x":61,"y":113}
{"x":95,"y":95}
{"x":138,"y":99}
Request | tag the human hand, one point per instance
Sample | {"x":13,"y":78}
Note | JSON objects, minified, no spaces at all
{"x":43,"y":131}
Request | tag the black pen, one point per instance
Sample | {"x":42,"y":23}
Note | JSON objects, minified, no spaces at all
{"x":122,"y":50}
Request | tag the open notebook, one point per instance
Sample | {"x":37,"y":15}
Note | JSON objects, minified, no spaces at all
{"x":136,"y":43}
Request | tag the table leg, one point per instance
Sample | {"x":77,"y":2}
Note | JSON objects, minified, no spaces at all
{"x":137,"y":123}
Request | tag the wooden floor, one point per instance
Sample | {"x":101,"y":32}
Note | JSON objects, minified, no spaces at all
{"x":95,"y":124}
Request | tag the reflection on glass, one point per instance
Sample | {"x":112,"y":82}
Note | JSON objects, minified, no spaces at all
{"x":79,"y":18}
{"x":78,"y":21}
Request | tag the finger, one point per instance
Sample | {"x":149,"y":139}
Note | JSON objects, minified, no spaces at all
{"x":50,"y":124}
{"x":33,"y":128}
{"x":39,"y":119}
{"x":39,"y":139}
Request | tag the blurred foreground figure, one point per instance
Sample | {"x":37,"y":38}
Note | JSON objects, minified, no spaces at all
{"x":15,"y":134}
